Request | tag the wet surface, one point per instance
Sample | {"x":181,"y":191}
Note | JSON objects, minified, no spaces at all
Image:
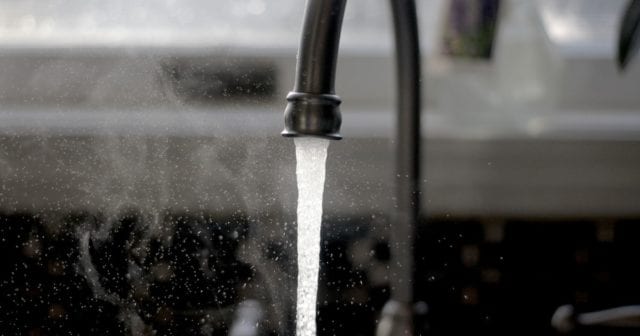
{"x":474,"y":276}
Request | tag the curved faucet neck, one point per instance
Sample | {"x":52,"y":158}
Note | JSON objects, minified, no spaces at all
{"x":319,"y":44}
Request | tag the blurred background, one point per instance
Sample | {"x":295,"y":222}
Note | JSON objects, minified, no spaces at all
{"x":145,"y":189}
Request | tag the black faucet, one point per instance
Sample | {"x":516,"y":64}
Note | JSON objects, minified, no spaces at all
{"x":314,"y":110}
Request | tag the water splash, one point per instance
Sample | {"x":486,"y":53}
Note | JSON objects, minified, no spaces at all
{"x":311,"y":155}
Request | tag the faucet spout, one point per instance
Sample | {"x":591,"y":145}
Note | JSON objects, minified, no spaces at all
{"x":313,"y":107}
{"x":313,"y":110}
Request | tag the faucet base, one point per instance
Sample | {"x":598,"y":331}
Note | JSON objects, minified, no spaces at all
{"x":396,"y":319}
